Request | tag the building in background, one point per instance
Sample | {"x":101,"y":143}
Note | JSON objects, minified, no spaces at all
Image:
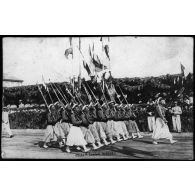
{"x":11,"y":81}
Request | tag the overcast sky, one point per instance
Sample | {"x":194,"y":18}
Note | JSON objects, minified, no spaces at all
{"x":29,"y":58}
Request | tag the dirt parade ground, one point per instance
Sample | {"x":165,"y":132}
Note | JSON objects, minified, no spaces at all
{"x":26,"y":145}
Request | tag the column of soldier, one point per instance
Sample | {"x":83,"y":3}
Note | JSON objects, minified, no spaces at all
{"x":88,"y":126}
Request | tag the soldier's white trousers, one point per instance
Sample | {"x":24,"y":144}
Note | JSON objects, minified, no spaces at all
{"x":176,"y":123}
{"x":151,"y":123}
{"x":6,"y":128}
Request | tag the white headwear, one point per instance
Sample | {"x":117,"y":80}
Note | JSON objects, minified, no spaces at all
{"x":74,"y":105}
{"x":158,"y":100}
{"x":84,"y":107}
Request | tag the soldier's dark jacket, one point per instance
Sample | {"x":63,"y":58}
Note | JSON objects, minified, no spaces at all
{"x":65,"y":117}
{"x":100,"y":115}
{"x":51,"y":119}
{"x":106,"y":112}
{"x":75,"y":119}
{"x":117,"y":116}
{"x":112,"y":113}
{"x":122,"y":114}
{"x":89,"y":116}
{"x":151,"y":109}
{"x":85,"y":122}
{"x":93,"y":113}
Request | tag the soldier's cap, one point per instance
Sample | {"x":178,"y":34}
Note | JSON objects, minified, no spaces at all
{"x":74,"y":105}
{"x":157,"y":95}
{"x":91,"y":104}
{"x":104,"y":104}
{"x":66,"y":106}
{"x":96,"y":104}
{"x":50,"y":105}
{"x":158,"y":100}
{"x":85,"y":106}
{"x":111,"y":102}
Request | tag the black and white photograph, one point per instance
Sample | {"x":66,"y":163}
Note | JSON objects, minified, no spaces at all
{"x":97,"y":97}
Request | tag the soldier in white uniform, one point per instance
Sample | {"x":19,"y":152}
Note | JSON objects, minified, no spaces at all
{"x":21,"y":105}
{"x":176,"y":111}
{"x":5,"y":122}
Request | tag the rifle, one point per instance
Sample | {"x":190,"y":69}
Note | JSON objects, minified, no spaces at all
{"x":88,"y":95}
{"x":71,"y":95}
{"x":47,"y":89}
{"x":43,"y":97}
{"x":123,"y":94}
{"x":60,"y":94}
{"x":56,"y":94}
{"x":104,"y":95}
{"x":109,"y":93}
{"x":92,"y":92}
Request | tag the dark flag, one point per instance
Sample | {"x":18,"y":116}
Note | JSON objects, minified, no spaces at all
{"x":70,"y":40}
{"x":90,"y":54}
{"x":79,"y":43}
{"x":106,"y":48}
{"x":68,"y":52}
{"x":182,"y":70}
{"x":98,"y":65}
{"x":86,"y":66}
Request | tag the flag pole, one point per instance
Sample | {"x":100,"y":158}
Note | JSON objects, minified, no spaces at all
{"x":109,"y":54}
{"x":102,"y":63}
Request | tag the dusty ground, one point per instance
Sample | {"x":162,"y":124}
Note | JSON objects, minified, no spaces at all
{"x":26,"y":143}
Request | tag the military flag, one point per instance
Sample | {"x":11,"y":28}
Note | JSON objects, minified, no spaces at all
{"x":106,"y":49}
{"x":182,"y":70}
{"x":69,"y":50}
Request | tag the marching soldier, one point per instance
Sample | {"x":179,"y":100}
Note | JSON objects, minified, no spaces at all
{"x":91,"y":117}
{"x":109,"y":123}
{"x":131,"y":123}
{"x":176,"y":112}
{"x":117,"y":122}
{"x":84,"y":127}
{"x":59,"y":136}
{"x":5,"y":122}
{"x":75,"y":136}
{"x":150,"y":115}
{"x":112,"y":117}
{"x":65,"y":122}
{"x":99,"y":121}
{"x":51,"y":121}
{"x":103,"y":121}
{"x":122,"y":114}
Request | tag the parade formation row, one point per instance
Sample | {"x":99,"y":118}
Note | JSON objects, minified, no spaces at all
{"x":89,"y":126}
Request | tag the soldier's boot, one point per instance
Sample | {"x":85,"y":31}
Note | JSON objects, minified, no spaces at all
{"x":112,"y":141}
{"x":45,"y":145}
{"x":105,"y":142}
{"x":61,"y":145}
{"x":86,"y":149}
{"x":139,"y":135}
{"x":78,"y":148}
{"x":99,"y":144}
{"x":94,"y":147}
{"x":133,"y":136}
{"x":67,"y":149}
{"x":119,"y":139}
